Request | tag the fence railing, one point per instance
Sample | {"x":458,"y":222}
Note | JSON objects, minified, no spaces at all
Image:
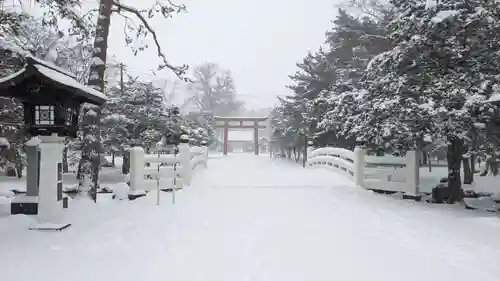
{"x":384,"y":173}
{"x":164,"y":171}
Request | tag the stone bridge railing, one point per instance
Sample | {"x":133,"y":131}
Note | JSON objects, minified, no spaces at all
{"x":381,"y":173}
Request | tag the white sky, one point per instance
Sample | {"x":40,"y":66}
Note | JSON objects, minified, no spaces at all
{"x":259,"y":40}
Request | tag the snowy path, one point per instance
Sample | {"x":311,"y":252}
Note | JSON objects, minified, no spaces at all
{"x":252,"y":218}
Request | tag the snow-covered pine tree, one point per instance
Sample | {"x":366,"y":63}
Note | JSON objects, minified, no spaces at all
{"x":195,"y":133}
{"x":444,"y":64}
{"x":11,"y":114}
{"x":116,"y":123}
{"x":174,"y":122}
{"x":314,"y":75}
{"x":152,"y":117}
{"x":352,"y":42}
{"x":196,"y":121}
{"x":134,"y":115}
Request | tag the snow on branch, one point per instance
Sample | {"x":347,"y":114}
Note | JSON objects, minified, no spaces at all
{"x":166,"y":11}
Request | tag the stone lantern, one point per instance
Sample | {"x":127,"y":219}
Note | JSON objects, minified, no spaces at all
{"x":51,"y":98}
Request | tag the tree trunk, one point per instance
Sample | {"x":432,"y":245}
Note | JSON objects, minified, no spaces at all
{"x":468,"y":173}
{"x":494,"y":164}
{"x":473,"y":158}
{"x":91,"y":150}
{"x":113,"y":159}
{"x":425,"y":159}
{"x":296,"y":157}
{"x":79,"y":173}
{"x":65,"y":160}
{"x":454,"y":156}
{"x":147,"y":152}
{"x":19,"y":170}
{"x":126,"y":162}
{"x":429,"y":158}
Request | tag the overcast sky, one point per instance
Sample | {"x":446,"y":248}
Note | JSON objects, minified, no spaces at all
{"x":258,"y":40}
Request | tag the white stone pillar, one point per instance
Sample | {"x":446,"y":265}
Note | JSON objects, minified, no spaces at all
{"x":50,"y":209}
{"x":359,"y":166}
{"x":205,"y":153}
{"x":136,"y":173}
{"x":310,"y":149}
{"x":412,"y":172}
{"x":185,"y":161}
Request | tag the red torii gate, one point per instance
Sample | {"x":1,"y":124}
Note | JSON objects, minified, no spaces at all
{"x":241,"y":123}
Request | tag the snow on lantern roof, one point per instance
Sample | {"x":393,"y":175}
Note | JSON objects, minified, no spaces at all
{"x":69,"y":81}
{"x":494,"y":98}
{"x":14,"y":48}
{"x":12,"y":76}
{"x":53,"y":66}
{"x":61,"y":79}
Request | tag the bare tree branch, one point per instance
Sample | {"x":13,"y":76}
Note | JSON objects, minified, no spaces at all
{"x":180,"y":71}
{"x":194,"y":99}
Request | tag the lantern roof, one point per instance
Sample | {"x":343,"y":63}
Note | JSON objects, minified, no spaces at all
{"x":48,"y":74}
{"x":495,"y":99}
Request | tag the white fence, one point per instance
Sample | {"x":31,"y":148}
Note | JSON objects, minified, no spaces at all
{"x":384,"y":173}
{"x":165,"y":171}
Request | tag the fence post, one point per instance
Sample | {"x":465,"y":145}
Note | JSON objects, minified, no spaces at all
{"x":412,"y":172}
{"x":185,"y":160}
{"x":310,"y":149}
{"x":205,"y":153}
{"x":136,"y":173}
{"x":359,"y":166}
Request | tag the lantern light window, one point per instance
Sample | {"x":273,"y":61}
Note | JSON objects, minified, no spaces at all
{"x":44,"y":115}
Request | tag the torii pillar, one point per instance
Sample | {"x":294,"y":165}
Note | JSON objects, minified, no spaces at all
{"x":226,"y":134}
{"x":256,"y":137}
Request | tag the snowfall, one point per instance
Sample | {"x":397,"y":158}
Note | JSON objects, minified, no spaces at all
{"x":250,"y":217}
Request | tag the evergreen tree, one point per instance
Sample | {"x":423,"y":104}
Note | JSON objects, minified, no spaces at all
{"x":353,"y":43}
{"x":444,"y":65}
{"x":327,"y":85}
{"x":136,"y":115}
{"x":174,"y":129}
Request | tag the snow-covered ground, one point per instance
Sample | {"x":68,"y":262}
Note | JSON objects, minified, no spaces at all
{"x":253,"y":218}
